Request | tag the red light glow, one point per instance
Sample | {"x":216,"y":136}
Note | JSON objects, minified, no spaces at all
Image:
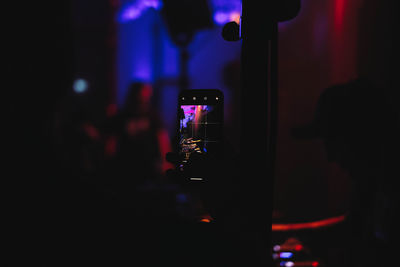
{"x":339,"y":13}
{"x":206,"y":218}
{"x":308,"y":225}
{"x":110,"y":148}
{"x":298,"y":247}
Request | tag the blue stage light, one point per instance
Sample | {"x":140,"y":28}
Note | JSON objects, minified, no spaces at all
{"x":285,"y":255}
{"x":80,"y":86}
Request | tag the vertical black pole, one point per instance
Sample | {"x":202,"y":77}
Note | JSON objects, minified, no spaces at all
{"x":273,"y":103}
{"x":258,"y":30}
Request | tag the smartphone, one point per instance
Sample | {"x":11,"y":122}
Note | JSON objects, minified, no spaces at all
{"x":200,"y":130}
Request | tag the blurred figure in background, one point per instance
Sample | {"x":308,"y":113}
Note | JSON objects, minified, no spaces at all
{"x":77,"y":141}
{"x":115,"y":155}
{"x":361,"y":133}
{"x":136,"y":141}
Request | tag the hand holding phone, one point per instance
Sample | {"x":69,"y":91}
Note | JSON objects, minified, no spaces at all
{"x":198,"y":156}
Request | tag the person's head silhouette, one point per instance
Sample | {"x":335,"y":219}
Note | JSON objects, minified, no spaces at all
{"x":353,"y":122}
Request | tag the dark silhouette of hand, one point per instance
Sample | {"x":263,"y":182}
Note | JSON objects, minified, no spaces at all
{"x":210,"y":178}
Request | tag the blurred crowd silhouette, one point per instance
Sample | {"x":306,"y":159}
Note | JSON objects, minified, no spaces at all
{"x":126,"y":148}
{"x":120,"y":179}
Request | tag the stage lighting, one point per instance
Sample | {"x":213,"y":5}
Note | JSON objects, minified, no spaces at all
{"x":80,"y":86}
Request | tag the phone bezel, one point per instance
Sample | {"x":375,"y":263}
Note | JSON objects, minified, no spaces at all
{"x":186,"y":97}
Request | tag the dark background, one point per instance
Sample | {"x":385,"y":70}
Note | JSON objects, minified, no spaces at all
{"x":49,"y":44}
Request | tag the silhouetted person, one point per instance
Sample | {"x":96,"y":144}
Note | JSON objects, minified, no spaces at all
{"x":140,"y":141}
{"x":361,"y":134}
{"x":76,"y":139}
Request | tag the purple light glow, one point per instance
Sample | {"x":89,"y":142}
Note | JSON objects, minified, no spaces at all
{"x":226,"y":5}
{"x":134,"y":9}
{"x":152,"y":3}
{"x":223,"y":10}
{"x":221,"y":18}
{"x":130,"y":13}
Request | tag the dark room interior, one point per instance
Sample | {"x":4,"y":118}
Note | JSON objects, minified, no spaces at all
{"x":118,"y":154}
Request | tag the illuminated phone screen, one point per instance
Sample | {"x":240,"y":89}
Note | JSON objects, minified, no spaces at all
{"x":200,"y":114}
{"x":198,"y":130}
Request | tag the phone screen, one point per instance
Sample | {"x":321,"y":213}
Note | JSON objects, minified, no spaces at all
{"x":200,"y":124}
